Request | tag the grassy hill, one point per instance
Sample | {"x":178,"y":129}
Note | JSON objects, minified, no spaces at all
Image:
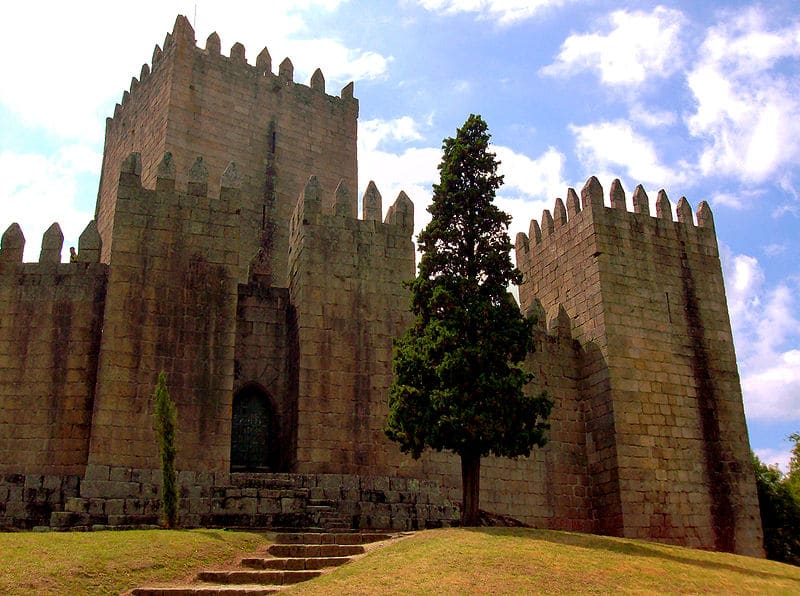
{"x":449,"y":561}
{"x":525,"y":561}
{"x":111,"y":562}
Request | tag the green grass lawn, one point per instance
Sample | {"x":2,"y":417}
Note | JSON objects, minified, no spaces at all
{"x":524,"y":561}
{"x":111,"y":562}
{"x":451,"y":561}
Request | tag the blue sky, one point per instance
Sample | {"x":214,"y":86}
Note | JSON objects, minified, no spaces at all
{"x":701,"y":99}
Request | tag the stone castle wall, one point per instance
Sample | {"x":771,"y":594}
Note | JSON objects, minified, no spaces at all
{"x":196,"y":101}
{"x":52,"y":314}
{"x":551,"y":488}
{"x":346,"y":279}
{"x":255,"y":286}
{"x":170,"y":305}
{"x":346,"y":283}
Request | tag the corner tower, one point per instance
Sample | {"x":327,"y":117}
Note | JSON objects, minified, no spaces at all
{"x":191,"y":101}
{"x":667,"y":445}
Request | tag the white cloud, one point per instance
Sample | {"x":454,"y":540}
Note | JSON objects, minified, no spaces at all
{"x":36,"y":190}
{"x":772,"y":392}
{"x":338,"y":63}
{"x":775,"y":249}
{"x":529,"y":183}
{"x":744,"y":280}
{"x":726,"y":199}
{"x":614,"y":145}
{"x":767,"y":336}
{"x":747,"y":108}
{"x":652,"y":118}
{"x":775,"y":457}
{"x":413,"y":170}
{"x":535,"y":178}
{"x":69,"y":84}
{"x":639,"y":46}
{"x":504,"y":12}
{"x":373,"y":133}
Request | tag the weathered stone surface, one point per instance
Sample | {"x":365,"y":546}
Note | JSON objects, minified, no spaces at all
{"x":291,"y":351}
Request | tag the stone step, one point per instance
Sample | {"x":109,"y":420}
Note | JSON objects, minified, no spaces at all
{"x":293,"y":563}
{"x":322,"y":502}
{"x":320,"y":509}
{"x":257,"y":576}
{"x":337,"y":525}
{"x":306,"y":551}
{"x":330,"y":537}
{"x":205,"y":589}
{"x":296,"y":557}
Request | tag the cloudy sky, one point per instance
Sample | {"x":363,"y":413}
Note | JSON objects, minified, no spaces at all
{"x":701,"y":99}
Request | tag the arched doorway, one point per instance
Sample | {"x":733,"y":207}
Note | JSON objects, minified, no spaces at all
{"x":252,"y":427}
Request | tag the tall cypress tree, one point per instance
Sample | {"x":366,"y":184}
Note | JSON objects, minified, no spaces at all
{"x":166,"y":421}
{"x":458,"y":382}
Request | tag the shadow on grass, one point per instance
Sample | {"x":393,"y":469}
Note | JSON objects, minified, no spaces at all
{"x":628,"y":547}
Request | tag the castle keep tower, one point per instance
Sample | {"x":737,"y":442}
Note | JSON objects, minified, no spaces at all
{"x":195,"y":101}
{"x":666,"y":442}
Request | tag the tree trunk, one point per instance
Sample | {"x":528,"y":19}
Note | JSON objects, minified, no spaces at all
{"x":470,"y":489}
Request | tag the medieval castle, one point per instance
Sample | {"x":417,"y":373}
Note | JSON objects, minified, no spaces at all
{"x":227,"y":251}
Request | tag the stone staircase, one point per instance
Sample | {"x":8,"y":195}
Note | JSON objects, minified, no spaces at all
{"x":294,"y":557}
{"x":323,"y":514}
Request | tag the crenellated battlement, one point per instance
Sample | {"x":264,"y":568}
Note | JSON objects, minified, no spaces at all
{"x":12,"y":245}
{"x":182,"y":37}
{"x":557,"y":327}
{"x":176,"y":219}
{"x":195,"y":194}
{"x":570,"y":218}
{"x":313,"y":207}
{"x":346,"y":279}
{"x":192,"y":100}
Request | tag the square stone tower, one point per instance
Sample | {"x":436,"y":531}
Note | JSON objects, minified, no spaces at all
{"x":197,"y":102}
{"x":667,"y":445}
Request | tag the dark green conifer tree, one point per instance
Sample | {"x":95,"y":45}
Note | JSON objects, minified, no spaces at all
{"x":166,"y":422}
{"x":458,"y":382}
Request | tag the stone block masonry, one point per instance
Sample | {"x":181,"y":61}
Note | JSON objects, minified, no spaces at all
{"x":667,"y":444}
{"x":52,"y":316}
{"x":272,"y":307}
{"x":194,"y":101}
{"x":118,"y":497}
{"x":171,"y":305}
{"x":346,"y":282}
